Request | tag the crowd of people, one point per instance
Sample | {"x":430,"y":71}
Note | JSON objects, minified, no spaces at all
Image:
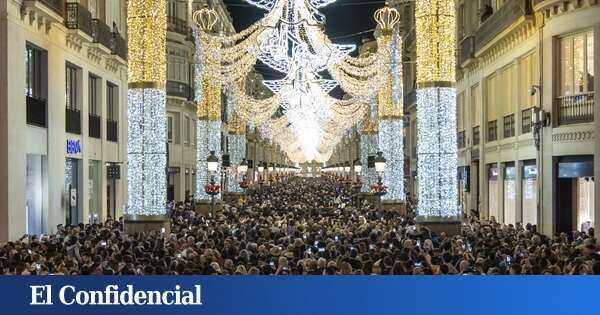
{"x":300,"y":226}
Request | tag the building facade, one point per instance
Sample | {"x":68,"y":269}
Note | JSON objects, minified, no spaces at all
{"x":64,"y":120}
{"x":517,"y":58}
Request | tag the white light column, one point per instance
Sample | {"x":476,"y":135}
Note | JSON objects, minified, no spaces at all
{"x":436,"y":111}
{"x":146,"y":139}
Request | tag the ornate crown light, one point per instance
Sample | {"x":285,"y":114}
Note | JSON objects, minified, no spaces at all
{"x":387,"y":18}
{"x":206,"y":19}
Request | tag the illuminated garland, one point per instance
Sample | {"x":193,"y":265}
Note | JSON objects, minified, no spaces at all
{"x":369,"y":145}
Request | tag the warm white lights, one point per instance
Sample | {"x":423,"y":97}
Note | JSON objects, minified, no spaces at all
{"x":147,"y":152}
{"x":391,"y":143}
{"x":146,"y":106}
{"x":437,"y":153}
{"x":291,"y":39}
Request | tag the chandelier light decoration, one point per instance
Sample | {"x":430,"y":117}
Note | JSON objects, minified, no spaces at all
{"x":290,"y":40}
{"x":146,"y":105}
{"x":436,"y":109}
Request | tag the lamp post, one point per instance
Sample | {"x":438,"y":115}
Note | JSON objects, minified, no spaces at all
{"x":242,"y":169}
{"x":380,"y":169}
{"x":357,"y":183}
{"x":212,"y":164}
{"x":539,"y":120}
{"x":261,"y":169}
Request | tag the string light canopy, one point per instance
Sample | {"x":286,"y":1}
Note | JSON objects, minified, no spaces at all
{"x":290,"y":39}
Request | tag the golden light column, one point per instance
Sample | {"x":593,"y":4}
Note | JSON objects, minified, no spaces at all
{"x":436,"y":113}
{"x":146,"y":139}
{"x":208,"y":102}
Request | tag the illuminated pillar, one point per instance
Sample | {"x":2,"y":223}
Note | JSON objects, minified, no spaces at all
{"x":391,"y":126}
{"x":369,"y":145}
{"x":436,"y":111}
{"x":237,"y":152}
{"x":209,"y":134}
{"x":146,"y":140}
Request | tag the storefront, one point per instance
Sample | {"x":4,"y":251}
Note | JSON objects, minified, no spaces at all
{"x":36,"y":193}
{"x":575,"y":193}
{"x":493,"y":202}
{"x":95,"y":191}
{"x":510,"y":193}
{"x":73,"y":188}
{"x":463,"y":187}
{"x":529,"y":194}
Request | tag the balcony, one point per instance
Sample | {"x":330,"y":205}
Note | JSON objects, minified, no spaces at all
{"x":58,"y":6}
{"x":499,"y":21}
{"x":178,"y":25}
{"x":119,"y":47}
{"x":45,"y":11}
{"x":466,"y":50}
{"x":112,"y":130}
{"x":78,"y":18}
{"x":461,"y":140}
{"x":94,"y":122}
{"x":73,"y":120}
{"x":476,"y":135}
{"x":179,"y":89}
{"x":101,"y":33}
{"x":575,"y":109}
{"x":36,"y":112}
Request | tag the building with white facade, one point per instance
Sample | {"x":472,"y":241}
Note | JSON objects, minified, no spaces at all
{"x":62,"y":116}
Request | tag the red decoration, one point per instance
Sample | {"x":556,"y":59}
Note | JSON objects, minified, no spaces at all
{"x":212,"y":189}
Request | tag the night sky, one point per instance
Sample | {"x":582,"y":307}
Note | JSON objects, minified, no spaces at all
{"x":345,"y":18}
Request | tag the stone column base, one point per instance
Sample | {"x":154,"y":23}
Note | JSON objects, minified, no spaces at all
{"x":451,"y":228}
{"x":146,"y":223}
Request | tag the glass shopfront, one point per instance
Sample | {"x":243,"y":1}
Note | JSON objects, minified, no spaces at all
{"x":510,"y":193}
{"x":95,"y":191}
{"x":529,"y":195}
{"x":493,"y":202}
{"x":73,"y":188}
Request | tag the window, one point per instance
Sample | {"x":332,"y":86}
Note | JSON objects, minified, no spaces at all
{"x":492,"y":130}
{"x":194,"y":135}
{"x":71,"y":87}
{"x":527,"y":78}
{"x":112,"y":112}
{"x":173,"y":8}
{"x":509,"y":126}
{"x":35,"y":73}
{"x":170,"y":129}
{"x":577,"y":64}
{"x":112,"y":102}
{"x":526,"y":120}
{"x":475,"y":104}
{"x":93,"y":82}
{"x":188,"y":131}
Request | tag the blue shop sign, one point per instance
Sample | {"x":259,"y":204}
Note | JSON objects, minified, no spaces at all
{"x":73,"y":146}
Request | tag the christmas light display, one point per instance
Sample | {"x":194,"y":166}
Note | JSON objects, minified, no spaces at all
{"x":146,"y":139}
{"x":436,"y":109}
{"x":290,"y":39}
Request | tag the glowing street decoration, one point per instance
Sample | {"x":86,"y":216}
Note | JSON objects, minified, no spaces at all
{"x":147,"y":138}
{"x":290,"y":39}
{"x":369,"y":145}
{"x":436,"y":109}
{"x":237,"y":152}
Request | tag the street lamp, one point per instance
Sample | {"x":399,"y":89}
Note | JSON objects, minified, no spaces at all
{"x":213,"y":164}
{"x":380,"y":165}
{"x":357,"y":168}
